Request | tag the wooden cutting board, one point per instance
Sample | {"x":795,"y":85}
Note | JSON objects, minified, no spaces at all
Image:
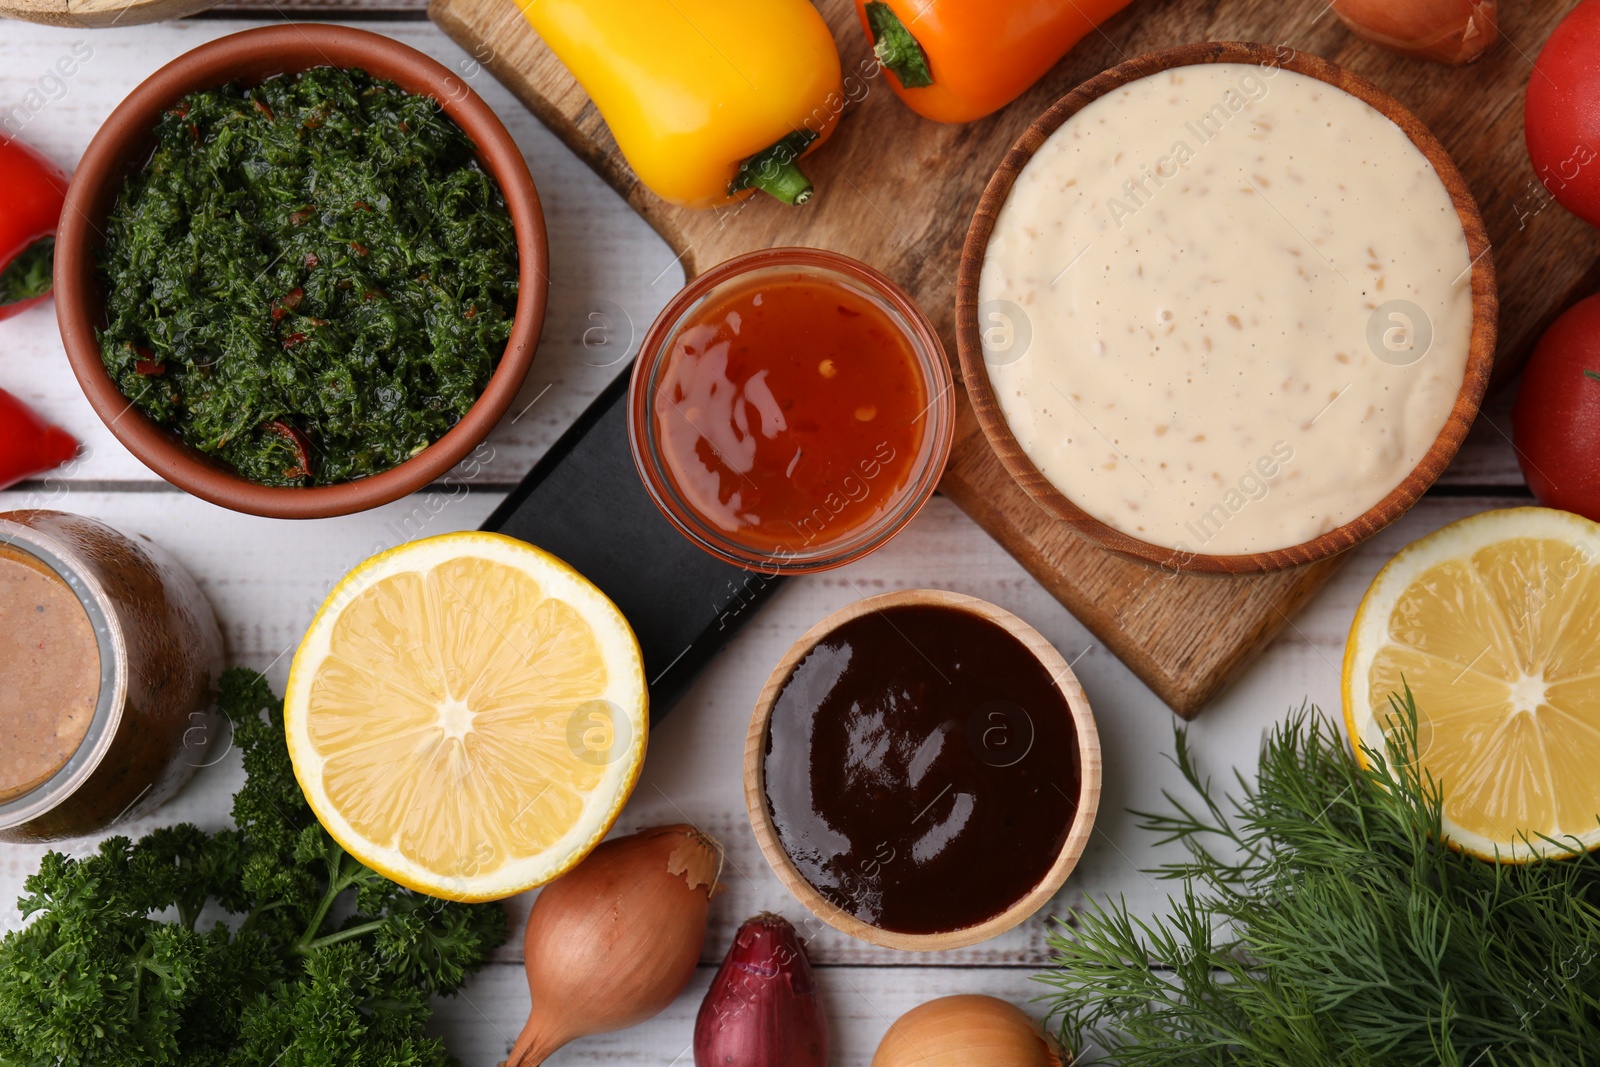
{"x":898,"y":191}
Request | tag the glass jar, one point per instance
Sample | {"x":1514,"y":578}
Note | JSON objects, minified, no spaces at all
{"x":829,"y":491}
{"x":108,"y":657}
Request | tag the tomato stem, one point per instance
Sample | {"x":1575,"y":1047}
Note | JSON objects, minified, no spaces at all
{"x":773,"y":170}
{"x":896,"y":47}
{"x":1592,"y":374}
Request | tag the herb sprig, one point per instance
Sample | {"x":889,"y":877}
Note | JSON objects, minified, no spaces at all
{"x":1321,"y":922}
{"x":323,"y":963}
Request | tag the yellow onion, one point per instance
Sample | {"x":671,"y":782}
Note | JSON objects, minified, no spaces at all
{"x":966,"y":1031}
{"x":1449,"y":31}
{"x":614,"y":941}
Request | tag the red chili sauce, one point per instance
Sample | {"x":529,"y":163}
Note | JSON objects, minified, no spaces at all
{"x":790,"y":413}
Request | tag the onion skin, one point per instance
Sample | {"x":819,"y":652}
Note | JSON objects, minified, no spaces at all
{"x":1447,"y":31}
{"x":966,"y":1031}
{"x":614,"y":941}
{"x":763,"y":1008}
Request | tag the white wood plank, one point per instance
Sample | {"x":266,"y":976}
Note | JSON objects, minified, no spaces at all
{"x":266,"y":577}
{"x":481,"y":1024}
{"x":608,"y":267}
{"x":610,"y":273}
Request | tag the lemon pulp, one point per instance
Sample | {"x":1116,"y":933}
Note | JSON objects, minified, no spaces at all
{"x":467,"y":717}
{"x":1494,"y":623}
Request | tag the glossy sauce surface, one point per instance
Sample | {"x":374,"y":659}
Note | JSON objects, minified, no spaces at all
{"x":922,"y":769}
{"x":49,"y":673}
{"x":790,"y":413}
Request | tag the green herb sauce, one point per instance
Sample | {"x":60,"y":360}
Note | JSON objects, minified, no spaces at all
{"x":312,"y":279}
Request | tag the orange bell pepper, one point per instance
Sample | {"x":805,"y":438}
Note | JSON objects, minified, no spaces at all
{"x":959,"y":60}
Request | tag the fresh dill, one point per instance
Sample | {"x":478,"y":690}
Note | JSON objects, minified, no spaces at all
{"x":1321,"y":922}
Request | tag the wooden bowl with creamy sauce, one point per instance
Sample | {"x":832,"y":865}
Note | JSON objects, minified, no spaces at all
{"x":1290,"y":417}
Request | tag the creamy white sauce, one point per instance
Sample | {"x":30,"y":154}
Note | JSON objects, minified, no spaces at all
{"x":1178,"y":299}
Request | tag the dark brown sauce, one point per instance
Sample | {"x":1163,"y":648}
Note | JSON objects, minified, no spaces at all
{"x":922,"y":769}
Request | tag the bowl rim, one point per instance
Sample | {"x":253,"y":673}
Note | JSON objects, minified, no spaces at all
{"x":932,"y":359}
{"x":250,"y":55}
{"x":1089,"y":764}
{"x":1481,"y":347}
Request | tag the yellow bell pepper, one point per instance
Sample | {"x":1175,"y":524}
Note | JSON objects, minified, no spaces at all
{"x":708,"y":99}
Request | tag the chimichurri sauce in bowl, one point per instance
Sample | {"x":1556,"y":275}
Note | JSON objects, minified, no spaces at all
{"x":311,"y":280}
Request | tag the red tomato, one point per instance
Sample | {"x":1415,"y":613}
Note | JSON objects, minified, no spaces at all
{"x":1562,"y":112}
{"x":1556,"y":423}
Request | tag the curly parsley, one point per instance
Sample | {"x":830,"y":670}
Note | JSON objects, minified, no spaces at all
{"x":117,"y":968}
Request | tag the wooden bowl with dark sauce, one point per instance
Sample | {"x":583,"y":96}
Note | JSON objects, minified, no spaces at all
{"x":929,"y":759}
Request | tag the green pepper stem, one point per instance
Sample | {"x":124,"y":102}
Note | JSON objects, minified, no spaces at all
{"x":896,"y":48}
{"x":1592,"y":374}
{"x":775,"y":171}
{"x":787,"y":182}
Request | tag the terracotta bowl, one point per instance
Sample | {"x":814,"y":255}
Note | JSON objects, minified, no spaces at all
{"x":1088,"y":741}
{"x":1480,"y":358}
{"x":122,"y":146}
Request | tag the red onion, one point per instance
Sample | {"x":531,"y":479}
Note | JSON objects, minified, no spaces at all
{"x":762,"y":1009}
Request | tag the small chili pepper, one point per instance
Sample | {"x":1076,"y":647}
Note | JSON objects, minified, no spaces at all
{"x":708,"y":99}
{"x":287,"y":303}
{"x":28,"y":444}
{"x":959,"y":60}
{"x":34,"y":190}
{"x":297,"y":441}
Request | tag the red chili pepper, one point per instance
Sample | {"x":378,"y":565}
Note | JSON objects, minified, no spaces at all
{"x":299,"y":217}
{"x":287,"y":303}
{"x":149,"y":366}
{"x":358,"y":248}
{"x":28,"y":444}
{"x":298,"y":442}
{"x":34,"y":191}
{"x":293,"y":339}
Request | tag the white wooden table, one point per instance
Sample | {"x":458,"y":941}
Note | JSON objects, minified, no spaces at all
{"x":266,"y":577}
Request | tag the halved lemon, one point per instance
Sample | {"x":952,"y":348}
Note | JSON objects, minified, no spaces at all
{"x":1494,"y":623}
{"x":467,"y":715}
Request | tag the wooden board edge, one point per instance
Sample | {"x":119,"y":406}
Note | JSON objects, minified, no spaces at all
{"x":1186,"y":696}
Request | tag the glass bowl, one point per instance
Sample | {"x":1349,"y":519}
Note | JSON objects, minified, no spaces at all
{"x":932,"y":449}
